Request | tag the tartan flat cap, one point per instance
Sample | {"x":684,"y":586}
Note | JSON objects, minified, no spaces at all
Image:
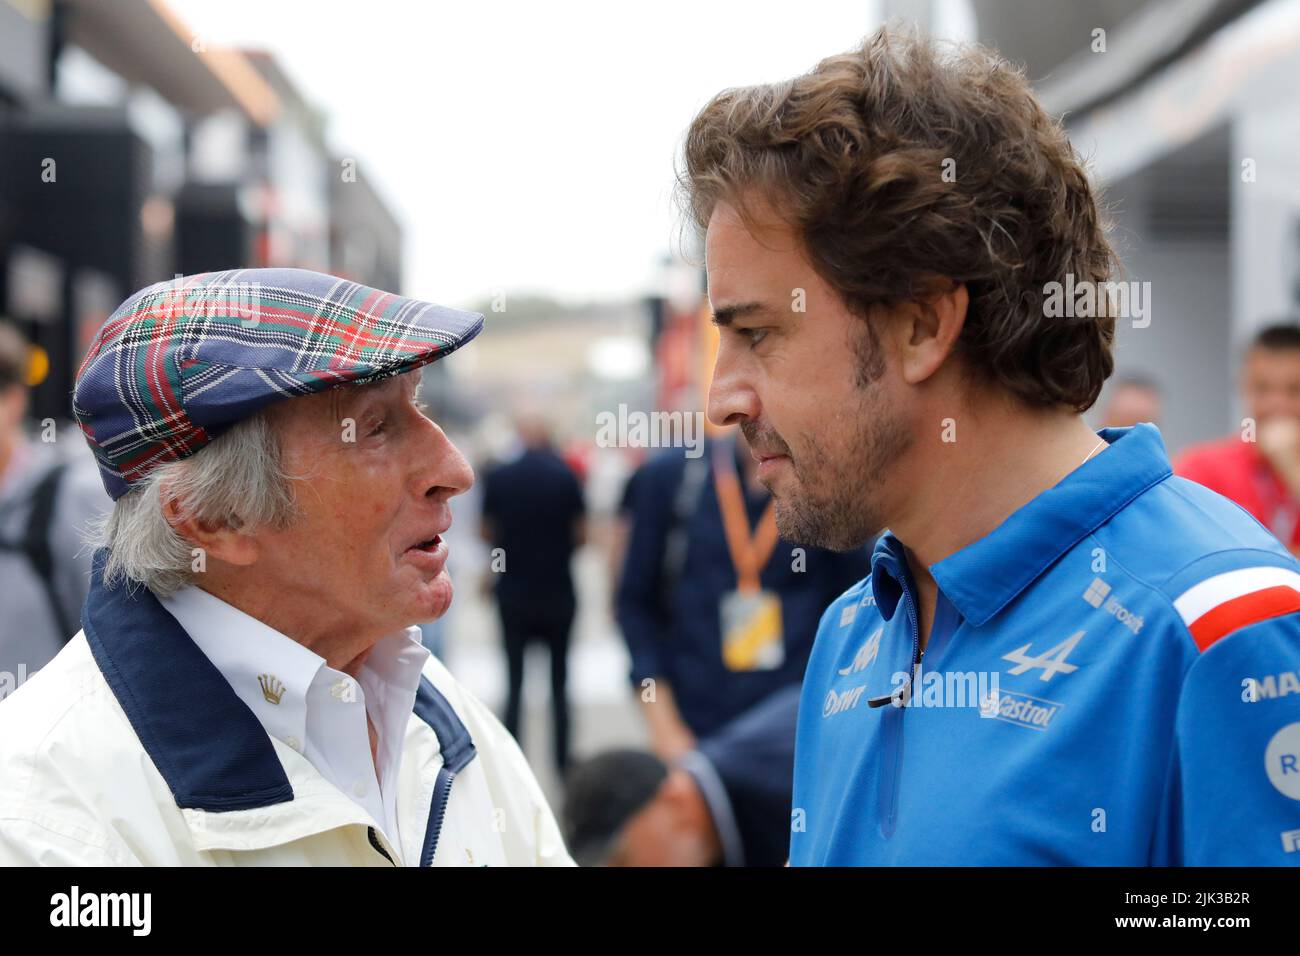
{"x":183,"y":360}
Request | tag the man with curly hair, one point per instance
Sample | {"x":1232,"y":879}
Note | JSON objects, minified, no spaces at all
{"x":1063,"y":653}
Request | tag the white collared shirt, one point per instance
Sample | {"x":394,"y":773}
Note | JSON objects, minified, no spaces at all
{"x":311,"y":707}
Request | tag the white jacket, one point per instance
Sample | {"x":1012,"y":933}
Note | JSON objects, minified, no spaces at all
{"x":130,"y":748}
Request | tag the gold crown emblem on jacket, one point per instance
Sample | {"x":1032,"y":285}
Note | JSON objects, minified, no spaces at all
{"x":272,"y":689}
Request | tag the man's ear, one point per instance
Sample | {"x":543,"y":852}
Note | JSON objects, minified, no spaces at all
{"x":930,"y":329}
{"x":677,"y":789}
{"x":221,"y":541}
{"x":681,"y":794}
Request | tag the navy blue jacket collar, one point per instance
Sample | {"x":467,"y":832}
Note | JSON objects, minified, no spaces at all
{"x":985,"y":576}
{"x":209,"y":747}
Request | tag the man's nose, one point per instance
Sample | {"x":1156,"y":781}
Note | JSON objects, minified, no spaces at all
{"x":447,"y":472}
{"x":732,"y":398}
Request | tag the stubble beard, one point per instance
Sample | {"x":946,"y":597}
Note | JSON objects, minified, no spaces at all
{"x":836,"y":498}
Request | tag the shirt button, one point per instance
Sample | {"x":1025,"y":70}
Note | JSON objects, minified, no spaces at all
{"x":345,"y":691}
{"x":359,"y":788}
{"x":295,"y":743}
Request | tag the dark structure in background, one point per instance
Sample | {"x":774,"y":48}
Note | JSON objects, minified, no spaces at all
{"x":211,"y":229}
{"x":131,"y":152}
{"x":71,"y":242}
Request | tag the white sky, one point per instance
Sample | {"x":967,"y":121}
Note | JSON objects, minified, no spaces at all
{"x":527,"y":147}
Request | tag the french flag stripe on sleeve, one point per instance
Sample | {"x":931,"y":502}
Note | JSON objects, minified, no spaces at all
{"x":1228,"y":602}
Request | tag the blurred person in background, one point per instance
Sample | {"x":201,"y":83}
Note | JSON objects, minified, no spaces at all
{"x":1133,"y":399}
{"x":533,"y":511}
{"x":48,"y":495}
{"x":724,"y":803}
{"x":1259,"y":467}
{"x":717,"y":610}
{"x":621,"y":530}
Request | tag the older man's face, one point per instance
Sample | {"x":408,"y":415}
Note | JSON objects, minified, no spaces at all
{"x":372,"y":481}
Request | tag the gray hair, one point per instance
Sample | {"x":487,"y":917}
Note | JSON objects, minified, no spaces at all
{"x":236,"y":481}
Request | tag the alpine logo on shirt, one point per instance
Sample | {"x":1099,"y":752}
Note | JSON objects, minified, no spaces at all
{"x":1051,"y":661}
{"x":1029,"y":710}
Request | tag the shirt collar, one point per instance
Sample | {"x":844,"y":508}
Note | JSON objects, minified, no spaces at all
{"x":272,"y":673}
{"x":985,"y":576}
{"x":210,"y":748}
{"x":398,"y":659}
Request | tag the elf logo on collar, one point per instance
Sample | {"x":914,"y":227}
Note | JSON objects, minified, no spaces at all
{"x":1052,"y":661}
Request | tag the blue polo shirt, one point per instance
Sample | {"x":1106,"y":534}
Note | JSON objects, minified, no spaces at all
{"x":1112,"y":678}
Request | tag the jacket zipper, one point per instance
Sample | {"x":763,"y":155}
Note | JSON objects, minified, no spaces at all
{"x":894,"y":728}
{"x":374,"y":841}
{"x":441,"y":794}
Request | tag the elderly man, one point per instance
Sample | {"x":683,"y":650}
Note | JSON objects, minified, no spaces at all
{"x":248,"y":687}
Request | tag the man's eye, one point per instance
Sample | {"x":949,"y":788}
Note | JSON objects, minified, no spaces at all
{"x":378,"y":427}
{"x":754,"y":336}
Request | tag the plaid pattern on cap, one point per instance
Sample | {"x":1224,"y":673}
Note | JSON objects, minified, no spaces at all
{"x":181,"y":361}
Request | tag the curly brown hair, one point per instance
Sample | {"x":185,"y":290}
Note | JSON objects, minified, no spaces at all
{"x":905,"y":164}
